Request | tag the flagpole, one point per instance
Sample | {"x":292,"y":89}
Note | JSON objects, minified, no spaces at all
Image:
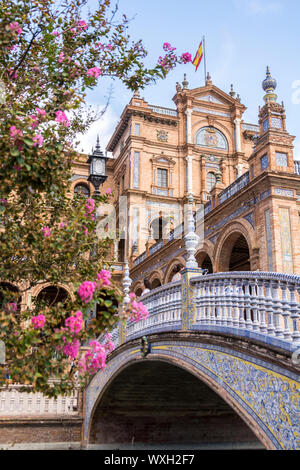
{"x":204,"y":53}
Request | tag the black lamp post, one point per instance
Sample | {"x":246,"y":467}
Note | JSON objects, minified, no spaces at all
{"x":97,"y":163}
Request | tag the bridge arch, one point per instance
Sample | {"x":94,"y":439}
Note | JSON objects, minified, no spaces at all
{"x":235,"y":248}
{"x":246,"y":385}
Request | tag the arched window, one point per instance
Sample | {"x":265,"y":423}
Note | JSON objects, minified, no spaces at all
{"x":210,"y":181}
{"x":82,"y":190}
{"x":212,"y":138}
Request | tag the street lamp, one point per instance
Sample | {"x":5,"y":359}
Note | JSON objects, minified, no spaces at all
{"x":97,"y":173}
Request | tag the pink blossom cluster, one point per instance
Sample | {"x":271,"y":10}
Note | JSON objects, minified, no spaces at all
{"x":15,"y":27}
{"x":61,"y":117}
{"x":108,"y":345}
{"x":38,"y":139}
{"x":86,"y":291}
{"x":167,"y":62}
{"x":94,"y":72}
{"x":46,"y":231}
{"x":61,"y":57}
{"x":168,"y":48}
{"x":38,"y":321}
{"x":185,"y":58}
{"x":108,"y":191}
{"x":15,"y":133}
{"x":72,"y":349}
{"x":138,"y":310}
{"x":90,"y":207}
{"x":94,"y":359}
{"x":81,"y":24}
{"x":74,"y":323}
{"x":103,"y":47}
{"x":3,"y":201}
{"x":104,"y":277}
{"x":55,"y":33}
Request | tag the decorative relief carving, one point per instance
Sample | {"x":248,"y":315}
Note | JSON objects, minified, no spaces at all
{"x":162,"y":135}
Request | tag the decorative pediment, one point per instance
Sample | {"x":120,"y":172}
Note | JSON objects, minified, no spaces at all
{"x":162,"y":160}
{"x":209,"y":99}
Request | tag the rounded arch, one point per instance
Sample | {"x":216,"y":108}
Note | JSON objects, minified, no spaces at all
{"x":201,"y":123}
{"x":155,"y":278}
{"x":84,"y":183}
{"x":129,"y":360}
{"x":241,"y":232}
{"x":170,"y":268}
{"x":50,"y":288}
{"x":205,"y":261}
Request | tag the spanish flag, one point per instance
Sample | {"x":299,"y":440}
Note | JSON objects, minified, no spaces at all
{"x":198,"y":56}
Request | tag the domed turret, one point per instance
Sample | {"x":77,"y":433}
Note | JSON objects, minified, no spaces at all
{"x":269,"y":84}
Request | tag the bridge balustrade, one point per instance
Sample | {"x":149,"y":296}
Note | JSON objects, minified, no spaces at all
{"x":260,"y":305}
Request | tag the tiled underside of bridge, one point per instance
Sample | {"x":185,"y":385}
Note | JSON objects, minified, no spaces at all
{"x":264,"y":394}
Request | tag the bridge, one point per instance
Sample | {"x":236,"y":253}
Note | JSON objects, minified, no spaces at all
{"x":215,"y":365}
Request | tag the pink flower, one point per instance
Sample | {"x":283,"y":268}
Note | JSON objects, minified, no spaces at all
{"x":75,"y":323}
{"x":3,"y":201}
{"x":104,"y":278}
{"x":108,"y":345}
{"x":108,"y":191}
{"x":72,"y":349}
{"x":139,"y":311}
{"x":38,"y":139}
{"x":61,"y":117}
{"x":38,"y":321}
{"x":41,"y":112}
{"x":15,"y":133}
{"x":82,"y":24}
{"x":167,"y":47}
{"x":15,"y":27}
{"x":55,"y":33}
{"x":61,"y":57}
{"x":94,"y":72}
{"x":86,"y":290}
{"x":35,"y":121}
{"x":85,"y":231}
{"x":46,"y":231}
{"x":132,"y":296}
{"x":94,"y":359}
{"x":186,"y":57}
{"x":62,"y":225}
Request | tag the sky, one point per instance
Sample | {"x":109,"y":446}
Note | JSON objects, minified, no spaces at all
{"x":242,"y":37}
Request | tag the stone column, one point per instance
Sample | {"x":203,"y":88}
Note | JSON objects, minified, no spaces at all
{"x":189,"y":160}
{"x":188,"y":126}
{"x":237,"y":123}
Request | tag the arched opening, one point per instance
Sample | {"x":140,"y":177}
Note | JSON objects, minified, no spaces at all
{"x":207,"y":264}
{"x":52,"y":295}
{"x":158,"y":228}
{"x":82,"y":189}
{"x":240,"y":256}
{"x":138,"y":292}
{"x":9,"y":294}
{"x":155,"y":283}
{"x":154,"y":403}
{"x":234,"y":254}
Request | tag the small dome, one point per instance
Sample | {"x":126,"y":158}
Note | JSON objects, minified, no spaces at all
{"x":269,"y":83}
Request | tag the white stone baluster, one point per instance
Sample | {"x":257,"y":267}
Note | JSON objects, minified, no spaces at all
{"x":261,"y":302}
{"x":276,"y":308}
{"x":294,"y":314}
{"x":269,"y":308}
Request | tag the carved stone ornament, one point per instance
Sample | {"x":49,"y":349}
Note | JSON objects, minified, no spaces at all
{"x":162,"y":136}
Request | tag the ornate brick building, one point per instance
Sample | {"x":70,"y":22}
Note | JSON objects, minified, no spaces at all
{"x":243,"y":179}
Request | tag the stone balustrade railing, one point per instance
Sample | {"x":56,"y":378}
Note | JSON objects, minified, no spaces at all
{"x":162,"y":110}
{"x":265,"y":304}
{"x":16,"y":403}
{"x":259,"y":305}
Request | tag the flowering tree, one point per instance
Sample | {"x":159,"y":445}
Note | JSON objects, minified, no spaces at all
{"x":50,"y":56}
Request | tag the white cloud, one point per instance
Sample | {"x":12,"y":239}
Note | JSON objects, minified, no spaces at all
{"x":104,"y":127}
{"x":258,"y":7}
